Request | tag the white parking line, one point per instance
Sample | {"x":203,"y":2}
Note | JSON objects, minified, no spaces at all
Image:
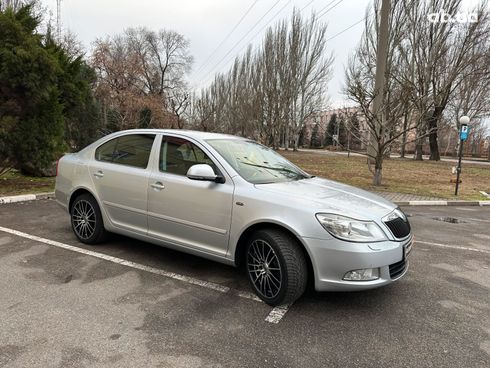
{"x":453,"y":246}
{"x":273,"y":317}
{"x":277,"y":313}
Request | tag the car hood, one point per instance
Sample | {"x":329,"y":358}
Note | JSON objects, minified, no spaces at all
{"x":332,"y":197}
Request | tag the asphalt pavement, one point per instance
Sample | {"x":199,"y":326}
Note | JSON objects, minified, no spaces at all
{"x":132,"y":304}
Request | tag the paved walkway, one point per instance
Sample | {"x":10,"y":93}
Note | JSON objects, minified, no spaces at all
{"x":403,"y":197}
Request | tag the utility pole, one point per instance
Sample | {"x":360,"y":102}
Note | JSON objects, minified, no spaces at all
{"x":381,"y":58}
{"x":58,"y":20}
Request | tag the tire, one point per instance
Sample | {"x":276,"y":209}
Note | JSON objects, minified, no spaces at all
{"x":282,"y":277}
{"x":86,"y":220}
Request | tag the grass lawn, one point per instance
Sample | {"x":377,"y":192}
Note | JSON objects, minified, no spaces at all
{"x":13,"y":183}
{"x":399,"y":175}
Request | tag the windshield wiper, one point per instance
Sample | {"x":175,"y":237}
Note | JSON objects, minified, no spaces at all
{"x":276,"y":169}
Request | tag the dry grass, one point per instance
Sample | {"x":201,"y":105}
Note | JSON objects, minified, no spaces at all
{"x":399,"y":175}
{"x":13,"y":183}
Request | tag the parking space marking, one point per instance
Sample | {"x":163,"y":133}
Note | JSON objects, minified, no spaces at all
{"x":277,"y":313}
{"x":274,"y":316}
{"x":105,"y":257}
{"x":453,"y":246}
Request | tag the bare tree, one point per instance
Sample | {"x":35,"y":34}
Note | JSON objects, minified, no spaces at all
{"x":271,"y":91}
{"x":384,"y":126}
{"x":13,"y":4}
{"x":441,"y":55}
{"x":141,"y":75}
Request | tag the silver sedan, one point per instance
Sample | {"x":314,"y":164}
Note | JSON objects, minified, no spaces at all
{"x":234,"y":201}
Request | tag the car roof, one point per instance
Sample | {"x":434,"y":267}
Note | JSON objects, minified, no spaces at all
{"x":188,"y":133}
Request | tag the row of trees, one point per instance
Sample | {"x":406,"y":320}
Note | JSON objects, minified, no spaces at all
{"x":53,"y":99}
{"x":435,"y":72}
{"x":271,"y":91}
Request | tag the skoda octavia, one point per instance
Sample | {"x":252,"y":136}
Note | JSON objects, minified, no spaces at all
{"x":234,"y":201}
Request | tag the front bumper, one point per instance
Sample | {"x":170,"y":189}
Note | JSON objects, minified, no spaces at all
{"x":332,"y":258}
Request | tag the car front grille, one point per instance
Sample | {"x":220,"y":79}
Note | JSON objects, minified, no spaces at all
{"x":399,"y":228}
{"x":396,"y":269}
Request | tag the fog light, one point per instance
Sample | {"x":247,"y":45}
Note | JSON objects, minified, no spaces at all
{"x":366,"y":274}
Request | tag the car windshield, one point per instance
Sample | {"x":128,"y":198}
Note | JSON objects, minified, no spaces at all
{"x":256,"y":163}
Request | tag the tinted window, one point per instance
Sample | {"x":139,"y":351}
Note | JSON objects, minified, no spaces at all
{"x":132,"y":150}
{"x":106,"y":151}
{"x":177,"y":155}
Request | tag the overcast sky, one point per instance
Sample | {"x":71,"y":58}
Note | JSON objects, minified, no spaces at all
{"x":206,"y":23}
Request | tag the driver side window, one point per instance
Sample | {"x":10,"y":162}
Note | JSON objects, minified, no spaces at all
{"x":177,"y":155}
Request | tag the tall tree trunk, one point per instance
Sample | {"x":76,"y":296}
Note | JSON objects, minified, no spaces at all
{"x":378,"y":169}
{"x":433,"y":145}
{"x":419,"y":145}
{"x":418,"y":155}
{"x":432,"y":126}
{"x":404,"y":135}
{"x":296,"y":142}
{"x":286,"y":137}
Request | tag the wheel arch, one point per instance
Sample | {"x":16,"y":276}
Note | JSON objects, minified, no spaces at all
{"x":244,"y":236}
{"x":78,"y":192}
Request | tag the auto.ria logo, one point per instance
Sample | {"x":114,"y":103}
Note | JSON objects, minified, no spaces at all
{"x":444,"y":17}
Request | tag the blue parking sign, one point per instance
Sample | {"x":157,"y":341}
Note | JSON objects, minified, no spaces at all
{"x":463,"y":134}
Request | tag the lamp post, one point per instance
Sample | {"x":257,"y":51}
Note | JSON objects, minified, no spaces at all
{"x":463,"y":135}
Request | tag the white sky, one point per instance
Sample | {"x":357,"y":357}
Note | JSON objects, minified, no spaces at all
{"x":206,"y":23}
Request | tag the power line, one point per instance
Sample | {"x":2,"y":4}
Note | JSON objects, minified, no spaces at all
{"x":329,"y":8}
{"x":246,"y":34}
{"x":307,"y":5}
{"x":227,"y":36}
{"x":346,"y":29}
{"x":251,"y":39}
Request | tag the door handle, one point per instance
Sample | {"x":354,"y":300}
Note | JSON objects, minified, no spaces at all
{"x":158,"y":185}
{"x":99,"y":174}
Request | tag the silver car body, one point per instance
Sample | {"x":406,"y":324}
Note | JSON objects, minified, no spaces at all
{"x":209,"y":219}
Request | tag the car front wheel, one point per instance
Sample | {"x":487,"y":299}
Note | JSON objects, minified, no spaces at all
{"x":276,"y":266}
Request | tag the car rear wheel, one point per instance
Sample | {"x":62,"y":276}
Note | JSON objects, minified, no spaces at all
{"x":276,"y":266}
{"x":86,"y":220}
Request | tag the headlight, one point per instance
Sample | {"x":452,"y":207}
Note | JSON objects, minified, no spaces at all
{"x":346,"y":228}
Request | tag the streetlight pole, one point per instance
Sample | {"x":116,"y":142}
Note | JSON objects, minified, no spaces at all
{"x":463,"y":135}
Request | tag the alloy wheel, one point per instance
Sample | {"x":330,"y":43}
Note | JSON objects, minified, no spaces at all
{"x":83,"y":218}
{"x":264,"y":268}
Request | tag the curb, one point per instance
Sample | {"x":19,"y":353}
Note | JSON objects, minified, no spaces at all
{"x":26,"y":197}
{"x":443,"y":203}
{"x":50,"y":195}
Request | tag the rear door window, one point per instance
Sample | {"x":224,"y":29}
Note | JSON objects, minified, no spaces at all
{"x":130,"y":150}
{"x":105,"y":152}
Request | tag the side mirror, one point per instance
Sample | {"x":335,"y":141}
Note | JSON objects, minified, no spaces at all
{"x":204,"y":172}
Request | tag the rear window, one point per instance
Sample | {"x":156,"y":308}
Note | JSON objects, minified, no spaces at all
{"x":131,"y":150}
